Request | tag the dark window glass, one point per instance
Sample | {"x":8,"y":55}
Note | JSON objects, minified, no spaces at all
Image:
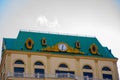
{"x":77,"y":44}
{"x":94,"y":48}
{"x":29,"y":43}
{"x":39,"y":63}
{"x":87,"y":75}
{"x":107,"y":76}
{"x":44,"y":42}
{"x":65,"y":74}
{"x":106,"y":69}
{"x":39,"y":73}
{"x":19,"y":62}
{"x":63,"y":66}
{"x":18,"y":72}
{"x":87,"y":67}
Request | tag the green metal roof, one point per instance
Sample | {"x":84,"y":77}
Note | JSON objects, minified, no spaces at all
{"x":52,"y":39}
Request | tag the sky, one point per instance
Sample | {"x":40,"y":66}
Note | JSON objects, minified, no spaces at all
{"x":98,"y":18}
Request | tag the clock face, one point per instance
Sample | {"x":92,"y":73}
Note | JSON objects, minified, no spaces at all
{"x":62,"y":47}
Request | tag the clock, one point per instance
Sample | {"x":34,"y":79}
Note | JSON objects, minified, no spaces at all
{"x":62,"y":47}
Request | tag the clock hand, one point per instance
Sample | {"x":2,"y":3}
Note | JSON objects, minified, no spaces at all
{"x":62,"y":47}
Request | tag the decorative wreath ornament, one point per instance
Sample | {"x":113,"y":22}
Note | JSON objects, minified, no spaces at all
{"x":29,"y":43}
{"x":93,"y":49}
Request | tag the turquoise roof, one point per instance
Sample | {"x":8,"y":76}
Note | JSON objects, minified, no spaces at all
{"x":52,"y":39}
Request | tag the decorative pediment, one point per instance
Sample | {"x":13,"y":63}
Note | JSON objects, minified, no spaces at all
{"x":62,"y":47}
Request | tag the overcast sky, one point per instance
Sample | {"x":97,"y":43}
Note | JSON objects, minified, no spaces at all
{"x":99,"y":18}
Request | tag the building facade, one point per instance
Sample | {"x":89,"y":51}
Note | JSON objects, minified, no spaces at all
{"x":45,"y":56}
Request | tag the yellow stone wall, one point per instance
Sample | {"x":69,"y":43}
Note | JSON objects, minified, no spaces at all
{"x":52,"y":61}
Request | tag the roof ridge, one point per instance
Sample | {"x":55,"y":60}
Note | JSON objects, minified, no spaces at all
{"x":58,"y":33}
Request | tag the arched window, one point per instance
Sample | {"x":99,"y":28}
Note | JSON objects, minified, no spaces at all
{"x":106,"y":69}
{"x":107,"y":73}
{"x":87,"y":72}
{"x":63,"y":66}
{"x":38,"y":63}
{"x":64,"y":72}
{"x":19,"y":62}
{"x":19,"y":70}
{"x":87,"y":67}
{"x":39,"y":69}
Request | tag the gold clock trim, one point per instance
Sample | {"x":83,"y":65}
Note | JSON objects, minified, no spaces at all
{"x":55,"y":48}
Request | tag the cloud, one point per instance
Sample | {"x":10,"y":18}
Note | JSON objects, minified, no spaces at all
{"x":44,"y":22}
{"x":54,"y":23}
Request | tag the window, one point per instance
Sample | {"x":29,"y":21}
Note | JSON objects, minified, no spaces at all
{"x":44,"y":42}
{"x":19,"y":71}
{"x":87,"y":72}
{"x":29,"y":43}
{"x":87,"y":67}
{"x":107,"y":76}
{"x":107,"y":73}
{"x":19,"y":62}
{"x":64,"y":72}
{"x":39,"y":69}
{"x":39,"y":63}
{"x":77,"y":44}
{"x":106,"y":69}
{"x":93,"y":49}
{"x":39,"y":73}
{"x":63,"y":66}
